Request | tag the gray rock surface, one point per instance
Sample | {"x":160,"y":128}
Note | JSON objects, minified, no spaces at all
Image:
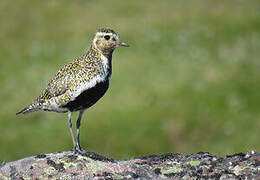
{"x":67,"y":165}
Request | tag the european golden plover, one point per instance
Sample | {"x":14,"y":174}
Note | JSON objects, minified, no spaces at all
{"x":81,"y":83}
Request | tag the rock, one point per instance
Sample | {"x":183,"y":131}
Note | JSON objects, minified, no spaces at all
{"x":67,"y":165}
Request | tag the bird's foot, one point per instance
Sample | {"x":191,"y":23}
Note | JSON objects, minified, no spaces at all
{"x":79,"y":150}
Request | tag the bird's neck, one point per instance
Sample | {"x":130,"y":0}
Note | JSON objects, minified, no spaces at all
{"x":103,"y":58}
{"x":107,"y":54}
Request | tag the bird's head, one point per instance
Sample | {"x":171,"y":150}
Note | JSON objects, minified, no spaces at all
{"x":106,"y":40}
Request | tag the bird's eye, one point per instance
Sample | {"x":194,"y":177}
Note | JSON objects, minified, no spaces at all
{"x":107,"y":37}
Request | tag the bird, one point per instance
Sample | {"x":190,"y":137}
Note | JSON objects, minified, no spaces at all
{"x":79,"y":84}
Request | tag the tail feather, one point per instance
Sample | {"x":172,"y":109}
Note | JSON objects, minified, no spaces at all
{"x":28,"y":109}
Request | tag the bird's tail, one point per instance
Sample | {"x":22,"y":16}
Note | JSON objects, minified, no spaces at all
{"x":30,"y":108}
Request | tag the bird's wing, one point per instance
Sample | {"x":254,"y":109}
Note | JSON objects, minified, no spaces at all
{"x":63,"y":80}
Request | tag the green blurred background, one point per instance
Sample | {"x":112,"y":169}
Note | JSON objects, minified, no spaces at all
{"x":189,"y":82}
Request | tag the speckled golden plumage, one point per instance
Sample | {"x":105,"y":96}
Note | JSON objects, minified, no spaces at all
{"x":81,"y":83}
{"x":81,"y":70}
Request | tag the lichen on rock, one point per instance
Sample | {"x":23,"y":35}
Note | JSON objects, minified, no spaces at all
{"x":68,"y":165}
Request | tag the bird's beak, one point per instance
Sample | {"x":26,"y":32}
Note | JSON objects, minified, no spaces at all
{"x":123,"y":44}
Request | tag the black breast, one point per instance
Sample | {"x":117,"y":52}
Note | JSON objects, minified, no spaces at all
{"x":88,"y":97}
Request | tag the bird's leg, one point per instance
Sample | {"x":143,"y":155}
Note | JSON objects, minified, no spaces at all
{"x":71,"y":131}
{"x":78,"y":126}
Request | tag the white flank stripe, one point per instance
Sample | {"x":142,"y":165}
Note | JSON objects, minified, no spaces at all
{"x":53,"y":104}
{"x":103,"y":77}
